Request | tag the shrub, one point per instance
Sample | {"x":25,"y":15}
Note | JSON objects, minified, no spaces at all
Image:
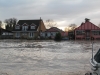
{"x":58,"y":37}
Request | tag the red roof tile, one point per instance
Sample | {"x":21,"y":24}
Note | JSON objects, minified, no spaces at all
{"x":87,"y":26}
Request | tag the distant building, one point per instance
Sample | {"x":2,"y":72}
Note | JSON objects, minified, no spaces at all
{"x":29,"y":29}
{"x":87,"y":31}
{"x":51,"y":32}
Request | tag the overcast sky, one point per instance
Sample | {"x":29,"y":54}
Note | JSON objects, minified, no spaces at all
{"x":64,"y":12}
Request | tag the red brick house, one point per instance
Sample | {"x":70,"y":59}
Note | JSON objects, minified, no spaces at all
{"x":87,"y":31}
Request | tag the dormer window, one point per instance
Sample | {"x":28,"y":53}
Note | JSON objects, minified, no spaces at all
{"x":25,"y":27}
{"x":17,"y":27}
{"x":32,"y":27}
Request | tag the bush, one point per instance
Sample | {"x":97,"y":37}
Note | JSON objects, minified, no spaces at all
{"x":58,"y":37}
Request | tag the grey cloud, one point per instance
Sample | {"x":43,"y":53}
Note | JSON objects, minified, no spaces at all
{"x":65,"y":10}
{"x":11,"y":3}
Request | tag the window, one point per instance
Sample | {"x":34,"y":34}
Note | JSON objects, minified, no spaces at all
{"x":4,"y":33}
{"x":30,"y":34}
{"x":51,"y":34}
{"x":32,"y":27}
{"x":24,"y":28}
{"x":17,"y":27}
{"x":95,"y":32}
{"x":45,"y":34}
{"x":80,"y":32}
{"x":17,"y":34}
{"x":10,"y":33}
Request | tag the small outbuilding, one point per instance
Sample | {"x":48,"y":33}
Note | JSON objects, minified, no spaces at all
{"x":5,"y":34}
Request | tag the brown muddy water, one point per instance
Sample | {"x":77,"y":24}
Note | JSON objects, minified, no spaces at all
{"x":22,"y":57}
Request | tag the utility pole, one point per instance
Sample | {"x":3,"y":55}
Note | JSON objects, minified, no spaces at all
{"x":92,"y":51}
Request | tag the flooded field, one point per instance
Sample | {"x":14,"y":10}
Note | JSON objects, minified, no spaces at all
{"x":45,"y":57}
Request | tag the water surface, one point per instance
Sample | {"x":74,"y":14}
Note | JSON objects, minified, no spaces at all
{"x":22,"y":57}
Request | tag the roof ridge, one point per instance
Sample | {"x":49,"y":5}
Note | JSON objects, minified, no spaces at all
{"x":95,"y":25}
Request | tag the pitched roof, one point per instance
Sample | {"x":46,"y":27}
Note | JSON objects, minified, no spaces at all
{"x":54,"y":29}
{"x":28,"y":23}
{"x":87,"y":26}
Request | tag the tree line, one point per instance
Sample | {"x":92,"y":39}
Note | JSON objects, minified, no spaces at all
{"x":9,"y":23}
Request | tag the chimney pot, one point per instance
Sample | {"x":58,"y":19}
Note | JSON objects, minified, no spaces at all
{"x":87,"y":20}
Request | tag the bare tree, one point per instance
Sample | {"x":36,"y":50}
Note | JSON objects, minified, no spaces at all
{"x":10,"y":23}
{"x":67,"y":29}
{"x":50,"y":23}
{"x":72,"y":26}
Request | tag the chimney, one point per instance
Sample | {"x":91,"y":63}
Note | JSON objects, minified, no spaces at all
{"x":87,"y":20}
{"x":40,"y":18}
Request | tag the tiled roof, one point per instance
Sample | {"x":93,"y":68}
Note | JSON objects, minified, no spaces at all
{"x":54,"y":29}
{"x":87,"y":26}
{"x":28,"y":23}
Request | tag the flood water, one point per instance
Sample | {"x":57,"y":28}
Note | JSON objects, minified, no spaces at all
{"x":27,"y":57}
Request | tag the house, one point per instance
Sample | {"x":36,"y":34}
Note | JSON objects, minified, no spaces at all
{"x":28,"y":29}
{"x":5,"y":34}
{"x":87,"y":31}
{"x":51,"y":33}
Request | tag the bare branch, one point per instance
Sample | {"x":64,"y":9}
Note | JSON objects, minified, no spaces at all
{"x":10,"y":23}
{"x":50,"y":23}
{"x":72,"y":26}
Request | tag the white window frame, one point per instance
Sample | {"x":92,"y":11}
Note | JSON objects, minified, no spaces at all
{"x":17,"y":34}
{"x":17,"y":27}
{"x":25,"y":28}
{"x":4,"y":33}
{"x":32,"y":27}
{"x":80,"y":32}
{"x":10,"y":33}
{"x":31,"y":34}
{"x":96,"y":32}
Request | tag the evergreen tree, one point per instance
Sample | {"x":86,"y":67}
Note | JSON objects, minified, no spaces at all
{"x":58,"y":37}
